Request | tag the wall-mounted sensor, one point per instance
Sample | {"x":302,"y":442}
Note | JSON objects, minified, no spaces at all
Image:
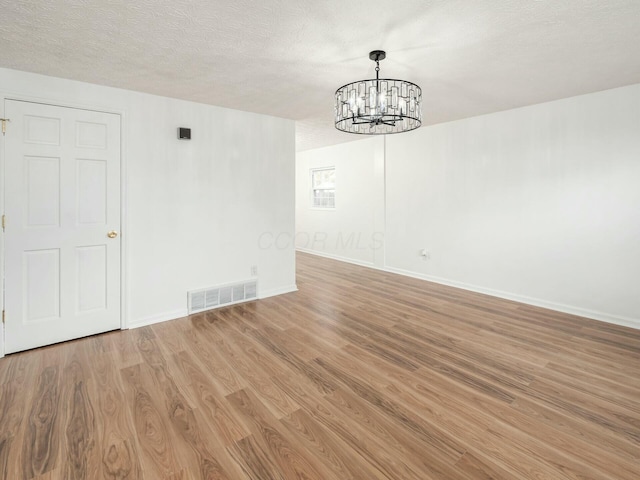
{"x":184,"y":133}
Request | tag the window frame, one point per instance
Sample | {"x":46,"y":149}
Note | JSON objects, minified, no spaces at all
{"x":312,"y":190}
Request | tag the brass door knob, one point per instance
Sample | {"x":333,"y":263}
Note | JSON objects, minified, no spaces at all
{"x":112,"y":234}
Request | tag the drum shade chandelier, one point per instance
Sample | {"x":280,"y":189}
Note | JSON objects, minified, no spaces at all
{"x":378,"y":106}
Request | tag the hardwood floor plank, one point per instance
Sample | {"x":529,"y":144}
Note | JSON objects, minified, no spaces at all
{"x":79,"y":420}
{"x":113,"y":421}
{"x":120,"y":460}
{"x":335,"y":454}
{"x":293,"y":462}
{"x":572,"y":453}
{"x":207,"y":465}
{"x":471,"y":415}
{"x":181,"y":415}
{"x":225,"y":424}
{"x":625,"y":391}
{"x":588,"y":407}
{"x":427,"y":457}
{"x":317,"y":377}
{"x":478,"y":469}
{"x":276,"y":401}
{"x":50,"y":475}
{"x":210,"y":351}
{"x":254,"y":460}
{"x":253,"y":312}
{"x":124,"y":352}
{"x":12,"y":368}
{"x":41,"y":442}
{"x":357,"y":335}
{"x":24,"y":374}
{"x":252,"y":353}
{"x":427,"y":433}
{"x":389,"y":462}
{"x":608,"y":442}
{"x":466,"y":354}
{"x":158,"y":457}
{"x":170,"y":337}
{"x":11,"y":415}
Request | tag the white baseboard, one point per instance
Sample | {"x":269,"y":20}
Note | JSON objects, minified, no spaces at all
{"x":163,"y":317}
{"x":174,"y":315}
{"x":277,"y":291}
{"x":337,"y":257}
{"x":537,"y":302}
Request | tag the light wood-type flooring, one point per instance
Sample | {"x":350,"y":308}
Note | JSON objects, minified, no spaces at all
{"x":358,"y":375}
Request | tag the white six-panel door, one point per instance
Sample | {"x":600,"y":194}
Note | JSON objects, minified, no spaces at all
{"x":62,"y":198}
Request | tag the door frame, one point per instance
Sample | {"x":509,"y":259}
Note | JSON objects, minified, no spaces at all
{"x":124,"y":238}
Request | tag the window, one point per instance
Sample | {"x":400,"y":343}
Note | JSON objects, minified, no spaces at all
{"x":323,"y":187}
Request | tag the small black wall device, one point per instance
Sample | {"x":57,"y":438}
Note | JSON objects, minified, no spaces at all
{"x":184,"y":133}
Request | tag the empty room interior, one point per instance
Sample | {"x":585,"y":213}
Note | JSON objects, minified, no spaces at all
{"x":320,"y":240}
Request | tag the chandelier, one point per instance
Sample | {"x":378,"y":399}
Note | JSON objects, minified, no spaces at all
{"x":378,"y":106}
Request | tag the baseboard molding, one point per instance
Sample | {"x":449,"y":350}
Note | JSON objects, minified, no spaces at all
{"x":337,"y":257}
{"x":277,"y":291}
{"x":174,"y":315}
{"x":536,"y":302}
{"x":163,"y":317}
{"x":143,"y":322}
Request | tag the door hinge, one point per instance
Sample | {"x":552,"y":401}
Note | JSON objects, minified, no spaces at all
{"x":3,"y":316}
{"x":3,"y":222}
{"x":4,"y":124}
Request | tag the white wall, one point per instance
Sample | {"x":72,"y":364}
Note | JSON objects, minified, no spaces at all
{"x":349,"y":230}
{"x":539,"y":204}
{"x":195,"y":210}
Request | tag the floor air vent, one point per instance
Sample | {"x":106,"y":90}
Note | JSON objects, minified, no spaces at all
{"x":214,"y":297}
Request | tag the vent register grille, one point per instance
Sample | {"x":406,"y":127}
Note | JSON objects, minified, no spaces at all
{"x":214,"y":297}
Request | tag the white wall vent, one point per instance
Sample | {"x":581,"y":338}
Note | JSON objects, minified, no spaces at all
{"x":221,"y":295}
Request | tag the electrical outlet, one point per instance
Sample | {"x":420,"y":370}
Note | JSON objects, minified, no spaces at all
{"x":425,"y":254}
{"x":254,"y":270}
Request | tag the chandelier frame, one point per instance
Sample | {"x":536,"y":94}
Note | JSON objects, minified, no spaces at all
{"x":385,"y":105}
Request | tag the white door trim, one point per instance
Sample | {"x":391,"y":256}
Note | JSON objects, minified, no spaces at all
{"x":124,"y":304}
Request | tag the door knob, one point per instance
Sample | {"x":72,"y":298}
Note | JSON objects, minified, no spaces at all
{"x":112,"y":234}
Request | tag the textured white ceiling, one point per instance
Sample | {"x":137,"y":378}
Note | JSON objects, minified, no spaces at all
{"x":287,"y":57}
